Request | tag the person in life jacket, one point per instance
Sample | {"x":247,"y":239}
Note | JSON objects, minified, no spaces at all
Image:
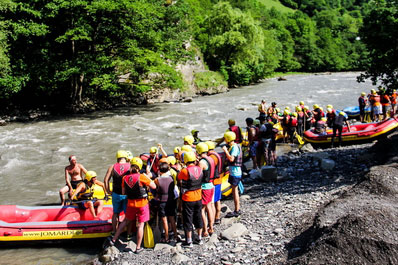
{"x":262,"y":109}
{"x":84,"y":193}
{"x":236,"y":129}
{"x":285,"y":120}
{"x":134,"y":187}
{"x":308,"y":118}
{"x":393,"y":99}
{"x":374,"y":100}
{"x":208,"y":166}
{"x":190,"y":181}
{"x":385,"y":103}
{"x":271,"y":112}
{"x":196,"y":137}
{"x":301,"y":105}
{"x":330,"y":116}
{"x":234,"y":157}
{"x":265,"y":138}
{"x":167,"y":197}
{"x":300,"y":120}
{"x":152,"y":164}
{"x":362,"y":102}
{"x":116,"y":172}
{"x":253,"y":135}
{"x":338,"y":126}
{"x":292,"y":127}
{"x":189,"y":140}
{"x":175,"y":168}
{"x":317,"y":113}
{"x":320,"y":126}
{"x":75,"y":171}
{"x":219,"y":171}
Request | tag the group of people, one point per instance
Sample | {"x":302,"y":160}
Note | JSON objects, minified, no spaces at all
{"x":383,"y":103}
{"x":186,"y":184}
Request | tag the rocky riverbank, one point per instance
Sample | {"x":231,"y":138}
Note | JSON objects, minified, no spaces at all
{"x":326,"y":206}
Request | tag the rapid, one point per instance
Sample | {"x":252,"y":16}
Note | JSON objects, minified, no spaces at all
{"x":33,"y":155}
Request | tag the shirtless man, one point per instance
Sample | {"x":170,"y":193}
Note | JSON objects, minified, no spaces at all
{"x":74,"y":170}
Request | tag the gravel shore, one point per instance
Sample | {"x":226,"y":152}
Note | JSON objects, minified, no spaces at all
{"x":289,"y":220}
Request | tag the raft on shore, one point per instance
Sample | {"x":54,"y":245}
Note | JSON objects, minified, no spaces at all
{"x":364,"y":132}
{"x":43,"y":223}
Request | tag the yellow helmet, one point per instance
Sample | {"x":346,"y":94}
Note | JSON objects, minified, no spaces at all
{"x":301,"y":103}
{"x":329,"y":106}
{"x":295,"y":114}
{"x":177,"y":149}
{"x":231,"y":122}
{"x":324,"y":119}
{"x":129,"y":155}
{"x":321,"y":108}
{"x":194,"y":131}
{"x":342,"y":113}
{"x":172,"y":160}
{"x":287,"y":108}
{"x":298,"y":108}
{"x":153,"y":150}
{"x":329,"y":110}
{"x":189,"y":139}
{"x":137,"y":162}
{"x":90,"y":175}
{"x":373,"y":91}
{"x":315,"y":106}
{"x":186,"y":148}
{"x":306,"y":108}
{"x":189,"y":157}
{"x":286,"y":112}
{"x":121,"y":154}
{"x":363,"y":94}
{"x":202,"y":148}
{"x":229,"y":136}
{"x":277,"y":110}
{"x":211,"y":145}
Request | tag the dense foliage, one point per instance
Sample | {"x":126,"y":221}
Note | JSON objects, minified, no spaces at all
{"x":380,"y":34}
{"x":60,"y":52}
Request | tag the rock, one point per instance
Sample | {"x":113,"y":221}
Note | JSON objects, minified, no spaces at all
{"x":244,"y":197}
{"x":225,"y":208}
{"x":3,"y":123}
{"x":327,"y":164}
{"x":234,"y":231}
{"x":105,"y":258}
{"x":163,"y":247}
{"x":189,"y":99}
{"x":307,"y":148}
{"x":228,"y":221}
{"x":319,"y":156}
{"x":178,"y":258}
{"x":237,"y":249}
{"x":269,"y":173}
{"x":213,"y":239}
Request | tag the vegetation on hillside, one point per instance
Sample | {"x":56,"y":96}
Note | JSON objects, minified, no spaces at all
{"x":59,"y":53}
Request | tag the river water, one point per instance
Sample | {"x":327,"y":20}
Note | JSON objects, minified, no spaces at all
{"x":33,"y":155}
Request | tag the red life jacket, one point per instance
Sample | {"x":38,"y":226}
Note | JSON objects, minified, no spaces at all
{"x":375,"y":100}
{"x":134,"y":190}
{"x":155,"y":166}
{"x":118,"y":172}
{"x":194,"y":182}
{"x":236,"y":130}
{"x":208,"y":175}
{"x":219,"y":165}
{"x":293,"y":122}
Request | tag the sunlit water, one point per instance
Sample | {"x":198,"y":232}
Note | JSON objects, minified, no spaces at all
{"x":33,"y":155}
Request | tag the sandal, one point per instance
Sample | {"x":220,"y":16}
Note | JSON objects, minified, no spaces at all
{"x":166,"y":241}
{"x":205,"y":235}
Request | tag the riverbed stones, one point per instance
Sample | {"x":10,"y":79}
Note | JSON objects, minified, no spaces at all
{"x":327,"y":164}
{"x":234,"y":231}
{"x":269,"y":174}
{"x":179,"y":258}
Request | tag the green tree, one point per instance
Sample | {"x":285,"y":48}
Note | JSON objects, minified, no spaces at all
{"x":380,"y":35}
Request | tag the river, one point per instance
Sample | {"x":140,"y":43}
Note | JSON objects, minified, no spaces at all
{"x":33,"y":155}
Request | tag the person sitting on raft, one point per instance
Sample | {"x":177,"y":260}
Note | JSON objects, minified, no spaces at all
{"x":85,"y":191}
{"x":75,"y":171}
{"x":320,"y":126}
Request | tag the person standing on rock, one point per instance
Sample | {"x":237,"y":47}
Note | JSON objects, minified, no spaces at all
{"x":338,"y":126}
{"x":116,"y":172}
{"x":234,"y":157}
{"x":75,"y":171}
{"x":252,"y":133}
{"x":134,"y":187}
{"x":190,"y":181}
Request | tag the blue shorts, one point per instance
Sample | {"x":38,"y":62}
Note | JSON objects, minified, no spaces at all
{"x":217,"y":193}
{"x":119,"y":203}
{"x":233,"y":180}
{"x":253,"y":149}
{"x":376,"y":110}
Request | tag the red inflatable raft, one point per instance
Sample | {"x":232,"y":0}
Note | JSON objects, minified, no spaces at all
{"x":363,"y":132}
{"x":28,"y":223}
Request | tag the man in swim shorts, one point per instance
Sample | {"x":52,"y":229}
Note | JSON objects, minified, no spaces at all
{"x":75,"y":171}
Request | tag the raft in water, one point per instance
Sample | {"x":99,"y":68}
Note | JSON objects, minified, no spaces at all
{"x":359,"y":133}
{"x":43,"y":223}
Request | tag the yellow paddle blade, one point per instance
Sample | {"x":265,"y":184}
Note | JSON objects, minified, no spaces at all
{"x":149,"y":242}
{"x":299,"y":139}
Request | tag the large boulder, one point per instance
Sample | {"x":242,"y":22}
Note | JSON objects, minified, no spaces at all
{"x":234,"y":231}
{"x":327,"y":164}
{"x":269,"y":174}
